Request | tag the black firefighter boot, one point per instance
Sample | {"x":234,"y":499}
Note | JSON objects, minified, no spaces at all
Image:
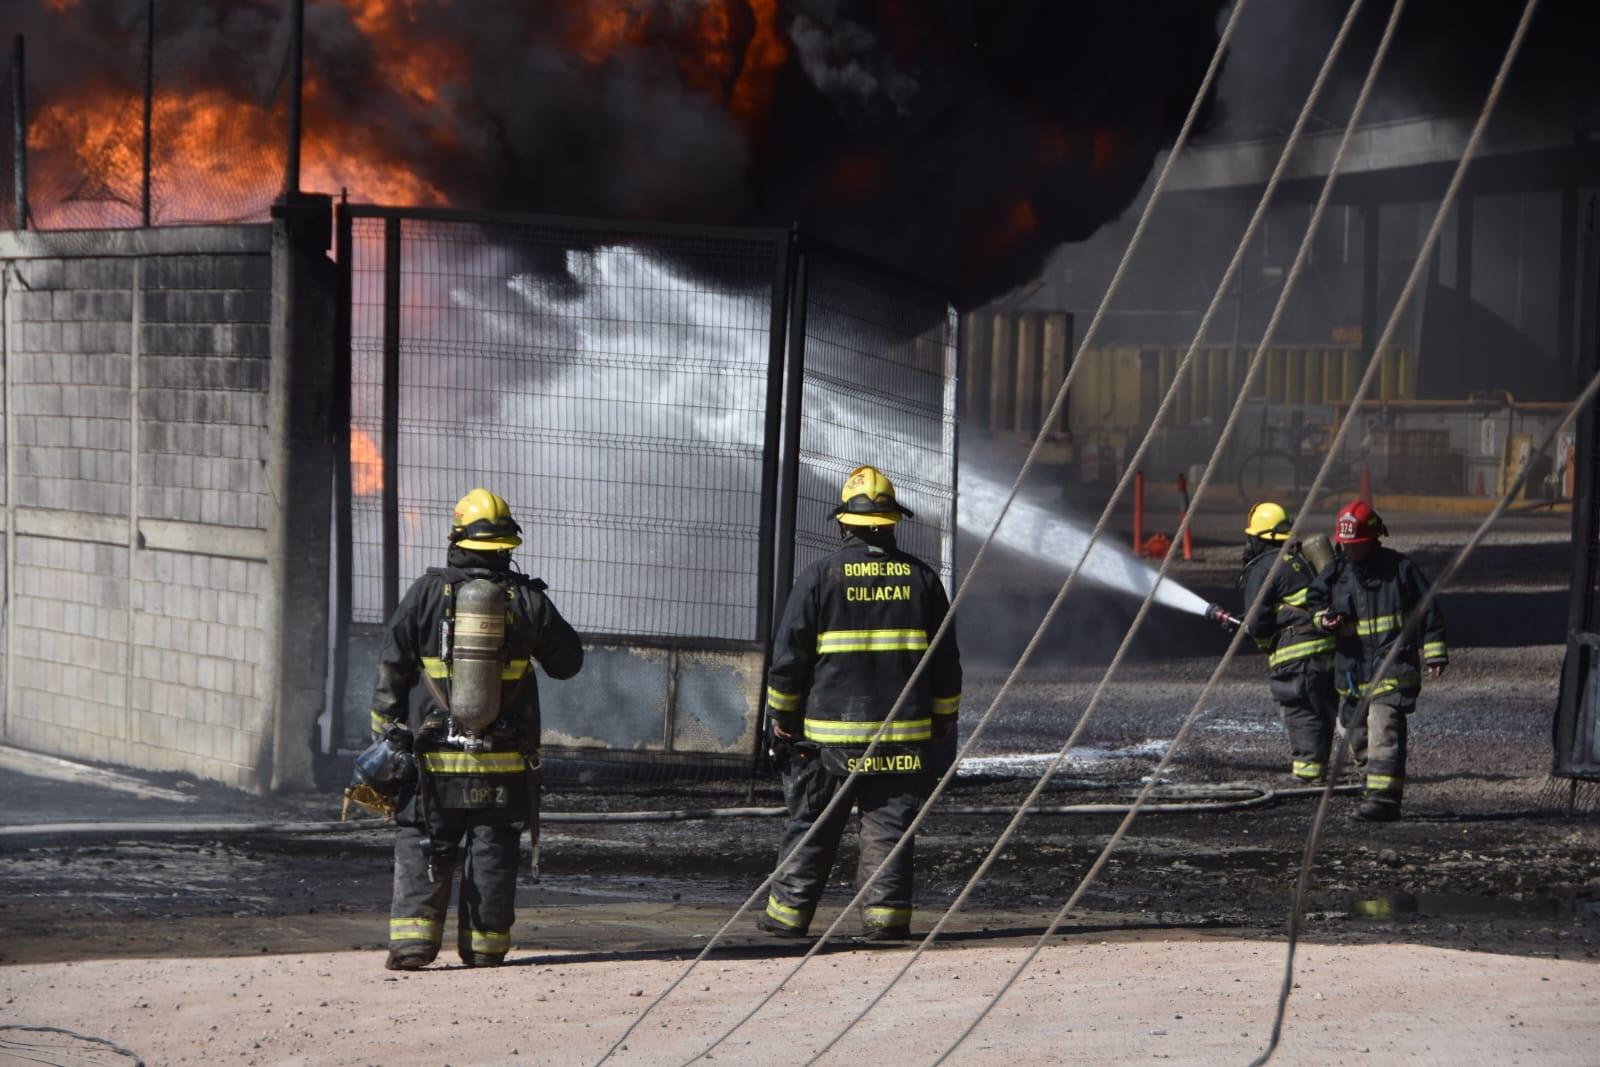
{"x":407,"y":961}
{"x":1376,"y":807}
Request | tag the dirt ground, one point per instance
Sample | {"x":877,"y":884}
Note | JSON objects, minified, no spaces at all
{"x":1088,"y":999}
{"x":1468,"y":932}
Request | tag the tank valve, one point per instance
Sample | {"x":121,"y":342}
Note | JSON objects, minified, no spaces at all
{"x":1218,"y":614}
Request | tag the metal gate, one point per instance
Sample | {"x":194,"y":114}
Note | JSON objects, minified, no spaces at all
{"x":624,"y":386}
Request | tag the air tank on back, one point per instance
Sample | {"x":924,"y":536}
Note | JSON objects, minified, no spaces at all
{"x":477,"y":656}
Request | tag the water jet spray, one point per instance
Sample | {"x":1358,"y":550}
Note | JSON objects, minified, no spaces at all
{"x":1057,"y":543}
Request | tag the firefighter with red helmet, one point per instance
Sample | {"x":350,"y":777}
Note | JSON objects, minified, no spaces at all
{"x":456,"y":690}
{"x":1364,"y":599}
{"x":855,"y":626}
{"x":1299,"y":656}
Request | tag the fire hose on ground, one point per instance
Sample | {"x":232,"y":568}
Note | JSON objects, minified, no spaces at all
{"x":1187,"y":800}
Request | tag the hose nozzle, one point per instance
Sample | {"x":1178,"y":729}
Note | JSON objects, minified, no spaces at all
{"x":1218,"y":614}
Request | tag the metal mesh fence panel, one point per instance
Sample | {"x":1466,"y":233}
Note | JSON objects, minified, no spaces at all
{"x":611,"y":385}
{"x":218,"y":127}
{"x":612,"y":382}
{"x":880,"y":388}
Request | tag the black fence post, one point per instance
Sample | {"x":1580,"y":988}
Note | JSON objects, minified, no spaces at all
{"x":391,"y":416}
{"x":793,"y":415}
{"x":343,"y":535}
{"x":1576,"y":753}
{"x":19,"y":129}
{"x":297,"y":34}
{"x":771,"y":445}
{"x":149,"y":95}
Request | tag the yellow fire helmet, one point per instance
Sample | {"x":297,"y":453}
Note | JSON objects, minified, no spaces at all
{"x":1269,"y":522}
{"x":483,"y":522}
{"x":867,"y":499}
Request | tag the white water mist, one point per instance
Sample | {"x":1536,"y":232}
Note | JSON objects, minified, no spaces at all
{"x":1057,"y":543}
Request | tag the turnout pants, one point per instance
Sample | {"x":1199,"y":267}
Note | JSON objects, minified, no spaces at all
{"x":1309,"y":706}
{"x":888,"y":803}
{"x":1378,"y":741}
{"x":483,"y":846}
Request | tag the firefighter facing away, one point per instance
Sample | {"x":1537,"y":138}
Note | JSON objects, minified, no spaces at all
{"x":1299,"y":655}
{"x":456,"y":690}
{"x":856,"y":624}
{"x":1364,"y":600}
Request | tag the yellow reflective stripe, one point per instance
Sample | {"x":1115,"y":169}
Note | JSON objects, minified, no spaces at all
{"x":780,"y":701}
{"x":1300,"y":650}
{"x":947,"y":705}
{"x":1381,"y":625}
{"x":438,"y":668}
{"x":1297,"y":599}
{"x":1435,"y":650}
{"x":1388,"y":685}
{"x":883,"y":916}
{"x":795,"y":917}
{"x":473,"y":762}
{"x":831,"y":641}
{"x":488,"y":941}
{"x":380,"y":723}
{"x":414,"y":929}
{"x":1384,"y":783}
{"x":833,"y":732}
{"x":1305,"y":768}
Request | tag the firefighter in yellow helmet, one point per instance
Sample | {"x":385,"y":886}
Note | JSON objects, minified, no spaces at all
{"x":855,"y":626}
{"x":1299,"y":656}
{"x":456,"y":688}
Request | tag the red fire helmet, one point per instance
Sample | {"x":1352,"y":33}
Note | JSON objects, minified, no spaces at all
{"x":1358,"y":522}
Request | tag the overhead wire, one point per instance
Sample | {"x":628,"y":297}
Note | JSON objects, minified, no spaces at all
{"x":1314,"y":837}
{"x":1302,"y":254}
{"x":1050,"y":419}
{"x":1133,"y":464}
{"x":1423,"y":255}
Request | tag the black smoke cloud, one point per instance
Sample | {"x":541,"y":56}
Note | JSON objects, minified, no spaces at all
{"x":1443,"y":60}
{"x":960,"y":139}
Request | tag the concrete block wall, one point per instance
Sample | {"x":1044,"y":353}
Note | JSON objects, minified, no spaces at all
{"x":140,"y":604}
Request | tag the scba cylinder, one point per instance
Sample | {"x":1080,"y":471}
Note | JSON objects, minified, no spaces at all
{"x":477,"y":654}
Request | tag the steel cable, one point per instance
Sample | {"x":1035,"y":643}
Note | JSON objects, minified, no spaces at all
{"x":978,"y":558}
{"x":1291,"y":279}
{"x":1423,"y":255}
{"x":1314,"y":838}
{"x":1099,"y":528}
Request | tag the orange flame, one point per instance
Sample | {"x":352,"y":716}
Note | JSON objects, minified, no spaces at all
{"x":214,"y":157}
{"x":602,"y":33}
{"x":366,"y":464}
{"x":734,"y":63}
{"x":219,"y":155}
